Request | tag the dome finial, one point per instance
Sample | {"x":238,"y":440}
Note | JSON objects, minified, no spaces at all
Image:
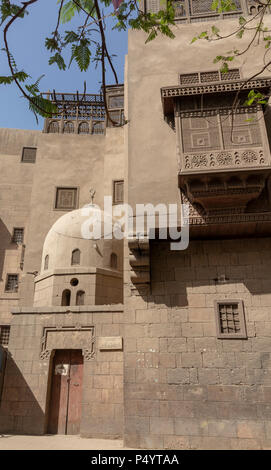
{"x":92,"y":193}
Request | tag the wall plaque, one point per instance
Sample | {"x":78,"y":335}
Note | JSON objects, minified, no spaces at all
{"x":110,"y":343}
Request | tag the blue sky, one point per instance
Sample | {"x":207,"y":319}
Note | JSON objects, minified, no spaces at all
{"x":26,"y":41}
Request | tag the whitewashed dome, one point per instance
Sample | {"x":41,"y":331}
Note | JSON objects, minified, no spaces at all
{"x":83,"y":229}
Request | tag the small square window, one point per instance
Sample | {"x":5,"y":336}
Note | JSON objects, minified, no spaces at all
{"x":4,"y":334}
{"x":12,"y":283}
{"x":66,"y":198}
{"x":18,"y":236}
{"x":118,"y":196}
{"x":230,"y":319}
{"x":29,"y":155}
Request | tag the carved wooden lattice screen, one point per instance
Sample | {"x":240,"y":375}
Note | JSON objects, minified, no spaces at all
{"x":214,"y":130}
{"x":209,"y":77}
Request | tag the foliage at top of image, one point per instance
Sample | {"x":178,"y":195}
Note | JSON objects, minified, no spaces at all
{"x":87,"y":44}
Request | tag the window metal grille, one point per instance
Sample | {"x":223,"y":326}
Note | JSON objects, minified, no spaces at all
{"x":66,"y":198}
{"x":18,"y":236}
{"x":12,"y":283}
{"x":4,"y":334}
{"x":29,"y":155}
{"x":230,"y":319}
{"x":118,"y":196}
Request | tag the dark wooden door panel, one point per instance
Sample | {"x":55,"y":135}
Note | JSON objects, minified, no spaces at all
{"x":66,"y":392}
{"x":75,"y":392}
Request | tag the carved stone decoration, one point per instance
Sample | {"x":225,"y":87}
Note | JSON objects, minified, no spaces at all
{"x":249,"y":156}
{"x":198,"y":161}
{"x":88,"y":354}
{"x":224,"y":158}
{"x":74,"y":337}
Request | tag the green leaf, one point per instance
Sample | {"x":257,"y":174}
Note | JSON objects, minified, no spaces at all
{"x":9,"y":9}
{"x":70,"y":37}
{"x":34,"y":88}
{"x":7,"y":80}
{"x":58,"y":59}
{"x":42,"y":107}
{"x":81,"y":54}
{"x":52,"y":44}
{"x":151,"y":36}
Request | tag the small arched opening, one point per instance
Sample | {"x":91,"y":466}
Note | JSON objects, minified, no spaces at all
{"x":53,"y":127}
{"x":76,"y":255}
{"x":68,"y":127}
{"x":80,"y":297}
{"x":83,"y":128}
{"x":113,"y":261}
{"x":66,"y":298}
{"x":46,"y":262}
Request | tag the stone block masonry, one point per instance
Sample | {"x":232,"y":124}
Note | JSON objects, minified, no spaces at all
{"x":184,"y":387}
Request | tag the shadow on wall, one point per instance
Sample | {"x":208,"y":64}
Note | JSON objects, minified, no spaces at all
{"x":209,"y":267}
{"x":6,"y":244}
{"x":20,"y":412}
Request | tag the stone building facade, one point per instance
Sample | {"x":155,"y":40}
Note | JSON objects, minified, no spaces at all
{"x":167,"y":348}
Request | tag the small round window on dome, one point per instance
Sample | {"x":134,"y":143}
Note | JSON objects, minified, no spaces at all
{"x":74,"y":282}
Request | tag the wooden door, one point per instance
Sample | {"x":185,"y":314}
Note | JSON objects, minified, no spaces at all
{"x":66,"y":392}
